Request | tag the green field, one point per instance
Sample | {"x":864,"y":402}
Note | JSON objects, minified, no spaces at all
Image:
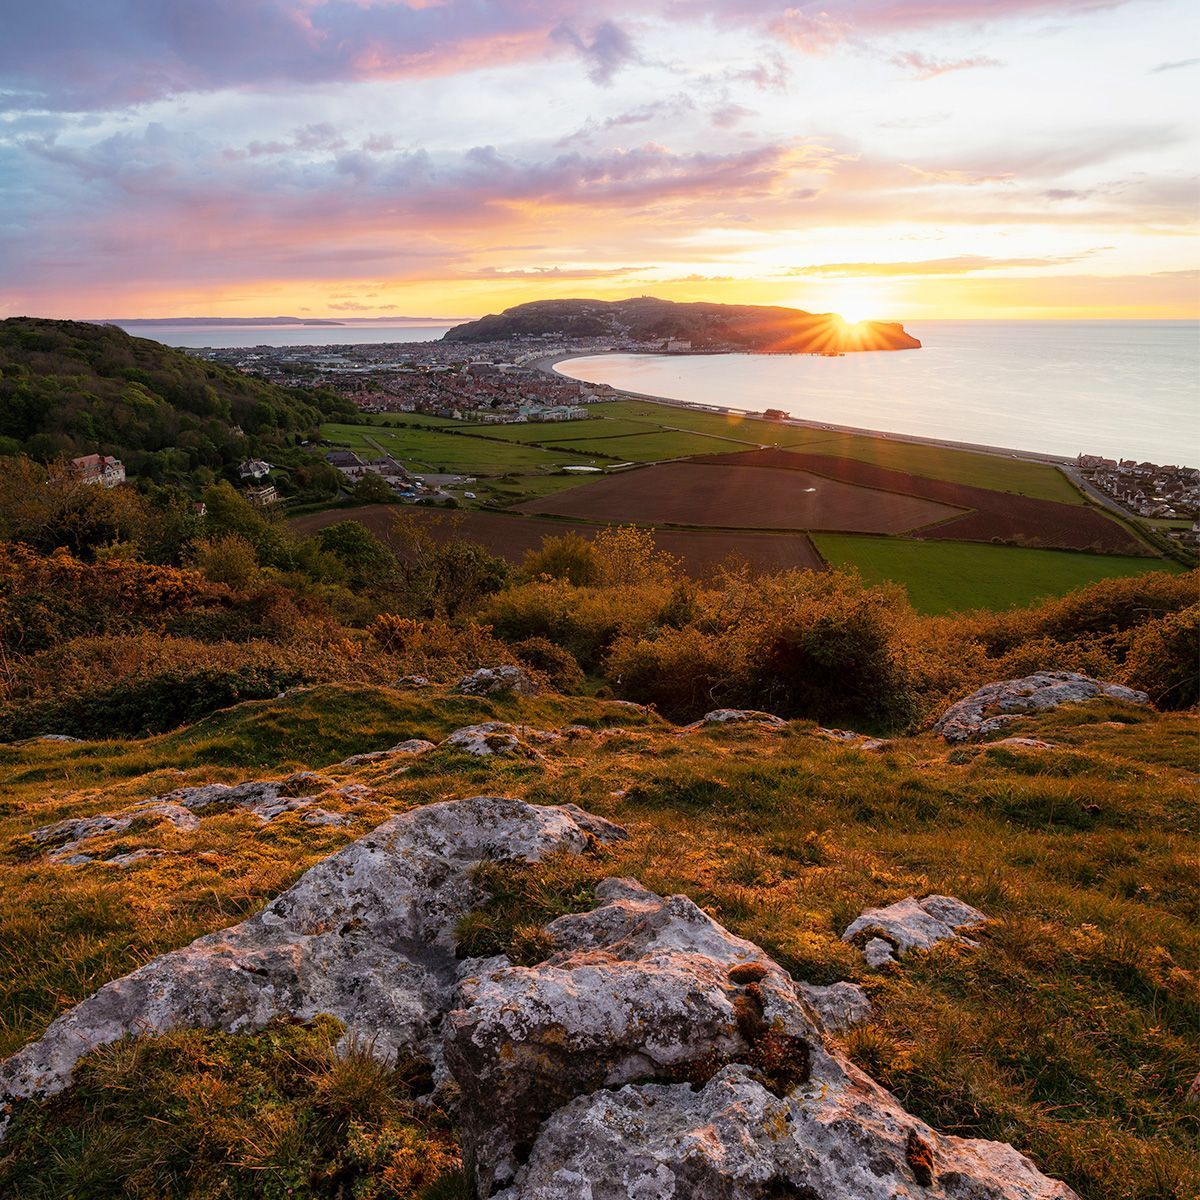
{"x":946,"y":577}
{"x":430,"y":450}
{"x":654,"y":446}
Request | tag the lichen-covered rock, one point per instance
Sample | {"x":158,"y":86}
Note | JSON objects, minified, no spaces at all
{"x":994,"y":705}
{"x":48,"y":737}
{"x":365,"y":935}
{"x":65,"y":841}
{"x":737,"y":716}
{"x":1025,"y":743}
{"x":639,"y":987}
{"x":498,"y":738}
{"x":847,"y":737}
{"x":494,"y":681}
{"x":887,"y":934}
{"x":410,"y":748}
{"x":837,"y":1136}
{"x":839,"y":1005}
{"x":411,"y":681}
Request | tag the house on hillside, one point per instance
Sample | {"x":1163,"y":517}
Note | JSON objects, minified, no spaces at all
{"x":99,"y":468}
{"x":347,"y":462}
{"x":254,"y":468}
{"x":262,"y":497}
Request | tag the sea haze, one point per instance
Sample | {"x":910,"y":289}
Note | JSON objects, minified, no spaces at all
{"x":223,"y":336}
{"x":1125,"y":389}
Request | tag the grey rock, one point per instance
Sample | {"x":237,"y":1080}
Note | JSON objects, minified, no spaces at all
{"x":1026,"y":743}
{"x":839,"y":1005}
{"x":66,"y":840}
{"x":495,"y":681}
{"x":887,"y":934}
{"x":411,"y":681}
{"x":497,"y":738}
{"x":859,"y":741}
{"x":737,"y":716}
{"x":48,"y":737}
{"x":412,"y":746}
{"x":366,"y":934}
{"x":994,"y":705}
{"x":638,"y":987}
{"x":838,"y":1136}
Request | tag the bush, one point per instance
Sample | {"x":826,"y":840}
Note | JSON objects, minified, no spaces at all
{"x":1164,"y":659}
{"x":570,"y":557}
{"x":683,"y":672}
{"x":558,"y":665}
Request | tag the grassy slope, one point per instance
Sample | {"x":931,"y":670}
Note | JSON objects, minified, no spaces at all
{"x":956,"y":576}
{"x":1071,"y":1031}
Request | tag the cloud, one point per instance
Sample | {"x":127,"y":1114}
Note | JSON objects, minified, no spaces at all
{"x":552,"y":273}
{"x":925,"y":67}
{"x":1175,"y":66}
{"x":963,"y":264}
{"x":609,"y":49}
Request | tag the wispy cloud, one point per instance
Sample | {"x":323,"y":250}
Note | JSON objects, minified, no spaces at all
{"x":925,"y":67}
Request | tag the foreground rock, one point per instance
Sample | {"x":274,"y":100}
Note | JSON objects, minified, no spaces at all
{"x":837,"y":1136}
{"x":365,"y":935}
{"x":640,"y":988}
{"x":496,"y":681}
{"x":996,"y":704}
{"x":887,"y":934}
{"x":657,"y":1056}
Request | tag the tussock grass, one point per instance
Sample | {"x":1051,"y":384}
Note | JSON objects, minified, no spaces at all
{"x":1070,"y":1031}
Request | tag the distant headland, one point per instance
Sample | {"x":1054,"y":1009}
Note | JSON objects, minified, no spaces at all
{"x":688,"y":328}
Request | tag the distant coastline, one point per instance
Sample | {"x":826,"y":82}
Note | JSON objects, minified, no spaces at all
{"x":551,"y":362}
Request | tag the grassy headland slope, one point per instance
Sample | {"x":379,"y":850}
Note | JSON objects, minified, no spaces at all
{"x":1069,"y":1031}
{"x":69,"y":388}
{"x":705,"y":326}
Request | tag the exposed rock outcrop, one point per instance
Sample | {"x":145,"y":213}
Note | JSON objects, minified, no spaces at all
{"x":996,"y":704}
{"x":496,"y":681}
{"x":737,"y":716}
{"x":498,"y":738}
{"x":847,"y":737}
{"x":365,"y":935}
{"x":887,"y":934}
{"x":836,"y":1136}
{"x":65,"y":841}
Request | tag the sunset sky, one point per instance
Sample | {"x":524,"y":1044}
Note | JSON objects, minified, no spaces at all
{"x":880,"y":158}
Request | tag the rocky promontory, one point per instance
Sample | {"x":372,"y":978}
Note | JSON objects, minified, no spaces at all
{"x":695,"y":327}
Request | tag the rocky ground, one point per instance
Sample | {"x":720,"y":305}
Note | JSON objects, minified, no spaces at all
{"x":437,"y":942}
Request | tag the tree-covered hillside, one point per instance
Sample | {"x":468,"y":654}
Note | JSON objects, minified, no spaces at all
{"x":70,"y":388}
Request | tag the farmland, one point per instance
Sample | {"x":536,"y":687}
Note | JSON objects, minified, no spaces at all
{"x":733,"y":496}
{"x":510,"y":536}
{"x":954,"y":576}
{"x":978,"y":529}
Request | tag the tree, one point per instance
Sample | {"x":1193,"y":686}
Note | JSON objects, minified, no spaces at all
{"x":373,"y":489}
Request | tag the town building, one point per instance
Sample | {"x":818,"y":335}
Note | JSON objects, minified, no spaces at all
{"x":99,"y":468}
{"x":254,"y":468}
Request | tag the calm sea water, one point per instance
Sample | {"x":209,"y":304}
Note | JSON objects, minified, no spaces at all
{"x":1124,"y":389}
{"x":221,"y":336}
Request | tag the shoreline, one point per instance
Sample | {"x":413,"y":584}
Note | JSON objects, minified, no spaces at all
{"x":550,"y":363}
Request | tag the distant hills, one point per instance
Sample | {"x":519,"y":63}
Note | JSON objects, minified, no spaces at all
{"x":155,"y":322}
{"x":703,"y":326}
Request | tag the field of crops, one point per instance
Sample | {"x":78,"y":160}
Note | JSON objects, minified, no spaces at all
{"x":956,"y":576}
{"x":736,"y":497}
{"x":511,"y":536}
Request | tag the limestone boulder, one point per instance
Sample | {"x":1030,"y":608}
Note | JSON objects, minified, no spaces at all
{"x":736,"y":716}
{"x":887,"y":934}
{"x":366,"y":935}
{"x":68,"y":841}
{"x":498,"y":738}
{"x":996,"y":704}
{"x":496,"y":681}
{"x":640,"y":987}
{"x":837,"y":1136}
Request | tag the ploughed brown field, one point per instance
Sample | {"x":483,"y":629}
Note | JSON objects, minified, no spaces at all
{"x":510,"y":536}
{"x":991,"y":516}
{"x":726,"y":492}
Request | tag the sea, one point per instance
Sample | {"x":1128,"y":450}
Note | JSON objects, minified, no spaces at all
{"x":217,"y":337}
{"x":1121,"y":389}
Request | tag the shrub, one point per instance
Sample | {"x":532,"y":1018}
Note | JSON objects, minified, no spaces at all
{"x":683,"y":672}
{"x":558,"y":665}
{"x":570,"y":557}
{"x":1164,"y":659}
{"x":436,"y":648}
